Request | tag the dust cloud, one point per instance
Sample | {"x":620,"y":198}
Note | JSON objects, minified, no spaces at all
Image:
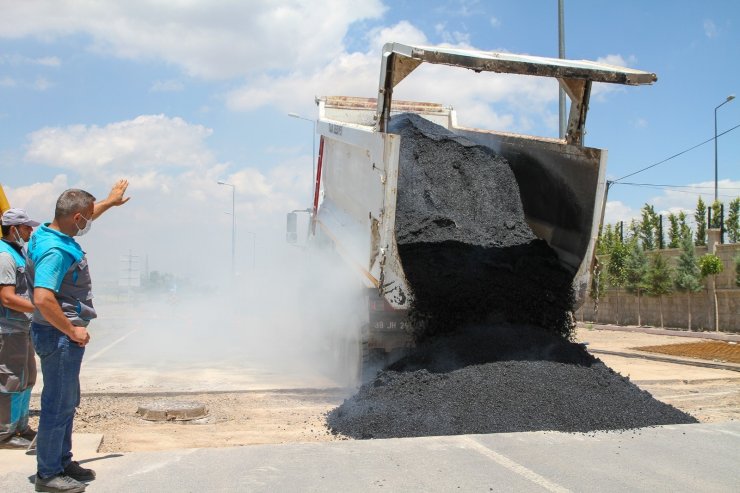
{"x":285,"y":321}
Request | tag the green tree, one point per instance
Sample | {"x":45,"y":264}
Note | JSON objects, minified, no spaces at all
{"x":701,"y":223}
{"x":716,"y":215}
{"x":646,"y":231}
{"x":636,"y":274}
{"x":674,"y":231}
{"x":683,"y":226}
{"x":660,"y":280}
{"x":606,"y":240}
{"x":616,"y":269}
{"x":633,"y":231}
{"x":732,"y":223}
{"x":737,"y":269}
{"x":598,"y":286}
{"x":710,"y":265}
{"x":688,"y":276}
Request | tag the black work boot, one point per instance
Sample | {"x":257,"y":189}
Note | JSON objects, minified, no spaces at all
{"x":60,"y":483}
{"x":75,"y":471}
{"x":15,"y":442}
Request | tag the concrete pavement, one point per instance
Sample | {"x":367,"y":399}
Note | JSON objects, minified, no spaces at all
{"x":702,"y":457}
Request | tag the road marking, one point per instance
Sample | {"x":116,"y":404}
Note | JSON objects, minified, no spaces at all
{"x":106,"y":348}
{"x":516,"y":467}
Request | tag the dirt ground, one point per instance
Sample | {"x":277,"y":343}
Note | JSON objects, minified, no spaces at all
{"x":242,"y":412}
{"x":243,"y":418}
{"x":718,"y":351}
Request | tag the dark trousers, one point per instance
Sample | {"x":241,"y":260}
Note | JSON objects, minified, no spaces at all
{"x":17,"y":377}
{"x":61,"y":359}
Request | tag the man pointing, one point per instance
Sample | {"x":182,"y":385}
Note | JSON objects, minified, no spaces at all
{"x":62,"y":295}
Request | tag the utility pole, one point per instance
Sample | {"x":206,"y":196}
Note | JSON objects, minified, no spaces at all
{"x":233,"y":227}
{"x":561,"y":54}
{"x":729,"y":98}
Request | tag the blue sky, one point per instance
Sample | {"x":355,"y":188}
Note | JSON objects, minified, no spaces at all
{"x":177,"y":95}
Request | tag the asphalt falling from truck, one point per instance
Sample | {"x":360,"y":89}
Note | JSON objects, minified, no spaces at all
{"x":491,"y":313}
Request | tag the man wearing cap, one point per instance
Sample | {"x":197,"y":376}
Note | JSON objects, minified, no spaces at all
{"x":17,"y":361}
{"x":62,"y":295}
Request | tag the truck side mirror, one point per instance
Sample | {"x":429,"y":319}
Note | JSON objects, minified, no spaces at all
{"x":291,"y":235}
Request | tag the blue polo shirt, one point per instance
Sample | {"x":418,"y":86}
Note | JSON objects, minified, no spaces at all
{"x":53,"y":253}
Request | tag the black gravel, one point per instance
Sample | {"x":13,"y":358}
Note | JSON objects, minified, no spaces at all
{"x":465,"y":246}
{"x":491,"y":305}
{"x":556,"y":386}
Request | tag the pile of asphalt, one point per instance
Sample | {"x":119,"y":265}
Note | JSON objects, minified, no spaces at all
{"x":465,"y":246}
{"x":491,"y":302}
{"x":484,"y":380}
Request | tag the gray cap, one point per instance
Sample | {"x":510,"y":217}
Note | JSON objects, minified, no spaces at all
{"x":18,"y":217}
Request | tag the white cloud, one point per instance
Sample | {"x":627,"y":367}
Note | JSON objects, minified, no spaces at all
{"x":7,"y":82}
{"x":710,"y":29}
{"x":206,"y":39}
{"x":133,"y":145}
{"x":42,"y":84}
{"x":350,"y":73}
{"x":600,"y":91}
{"x":640,"y":123}
{"x":15,"y":59}
{"x":356,"y":74}
{"x":459,"y":8}
{"x":674,"y":200}
{"x":286,"y":52}
{"x":49,"y":61}
{"x":617,"y":211}
{"x":177,"y":208}
{"x":617,"y":60}
{"x":685,"y":198}
{"x":495,"y":22}
{"x":167,"y":86}
{"x":38,"y":199}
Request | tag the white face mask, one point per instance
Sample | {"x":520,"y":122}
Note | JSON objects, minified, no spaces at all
{"x":21,"y":243}
{"x":86,"y":229}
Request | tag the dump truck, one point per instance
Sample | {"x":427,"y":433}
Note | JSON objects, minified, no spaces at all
{"x":561,"y":181}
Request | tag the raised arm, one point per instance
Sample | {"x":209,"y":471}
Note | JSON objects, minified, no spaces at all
{"x":114,"y":199}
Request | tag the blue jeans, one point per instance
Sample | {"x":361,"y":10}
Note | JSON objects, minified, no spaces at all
{"x":61,"y":359}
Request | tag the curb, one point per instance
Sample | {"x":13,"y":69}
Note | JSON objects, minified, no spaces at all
{"x":717,"y":336}
{"x":665,"y":359}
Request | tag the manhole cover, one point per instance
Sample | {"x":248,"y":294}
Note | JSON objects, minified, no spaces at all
{"x":167,"y":410}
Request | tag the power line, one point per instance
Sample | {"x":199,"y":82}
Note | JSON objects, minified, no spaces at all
{"x":666,"y":187}
{"x":675,"y":186}
{"x":675,"y":155}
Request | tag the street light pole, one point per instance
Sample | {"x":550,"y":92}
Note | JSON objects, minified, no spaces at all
{"x":233,"y":227}
{"x":729,"y":98}
{"x":313,"y":143}
{"x":561,"y":54}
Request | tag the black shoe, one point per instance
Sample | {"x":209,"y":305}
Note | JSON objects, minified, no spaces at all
{"x":59,"y":484}
{"x":15,"y":442}
{"x":75,"y":471}
{"x":28,"y":434}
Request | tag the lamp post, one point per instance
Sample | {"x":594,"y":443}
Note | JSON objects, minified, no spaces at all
{"x":233,"y":227}
{"x":729,"y":98}
{"x":561,"y":54}
{"x":313,"y":143}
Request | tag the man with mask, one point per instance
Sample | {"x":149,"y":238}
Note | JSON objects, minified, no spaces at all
{"x":17,"y":361}
{"x":62,"y":295}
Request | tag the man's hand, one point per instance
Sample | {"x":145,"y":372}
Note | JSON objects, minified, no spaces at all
{"x":115,"y":198}
{"x":46,"y":302}
{"x":79,"y":335}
